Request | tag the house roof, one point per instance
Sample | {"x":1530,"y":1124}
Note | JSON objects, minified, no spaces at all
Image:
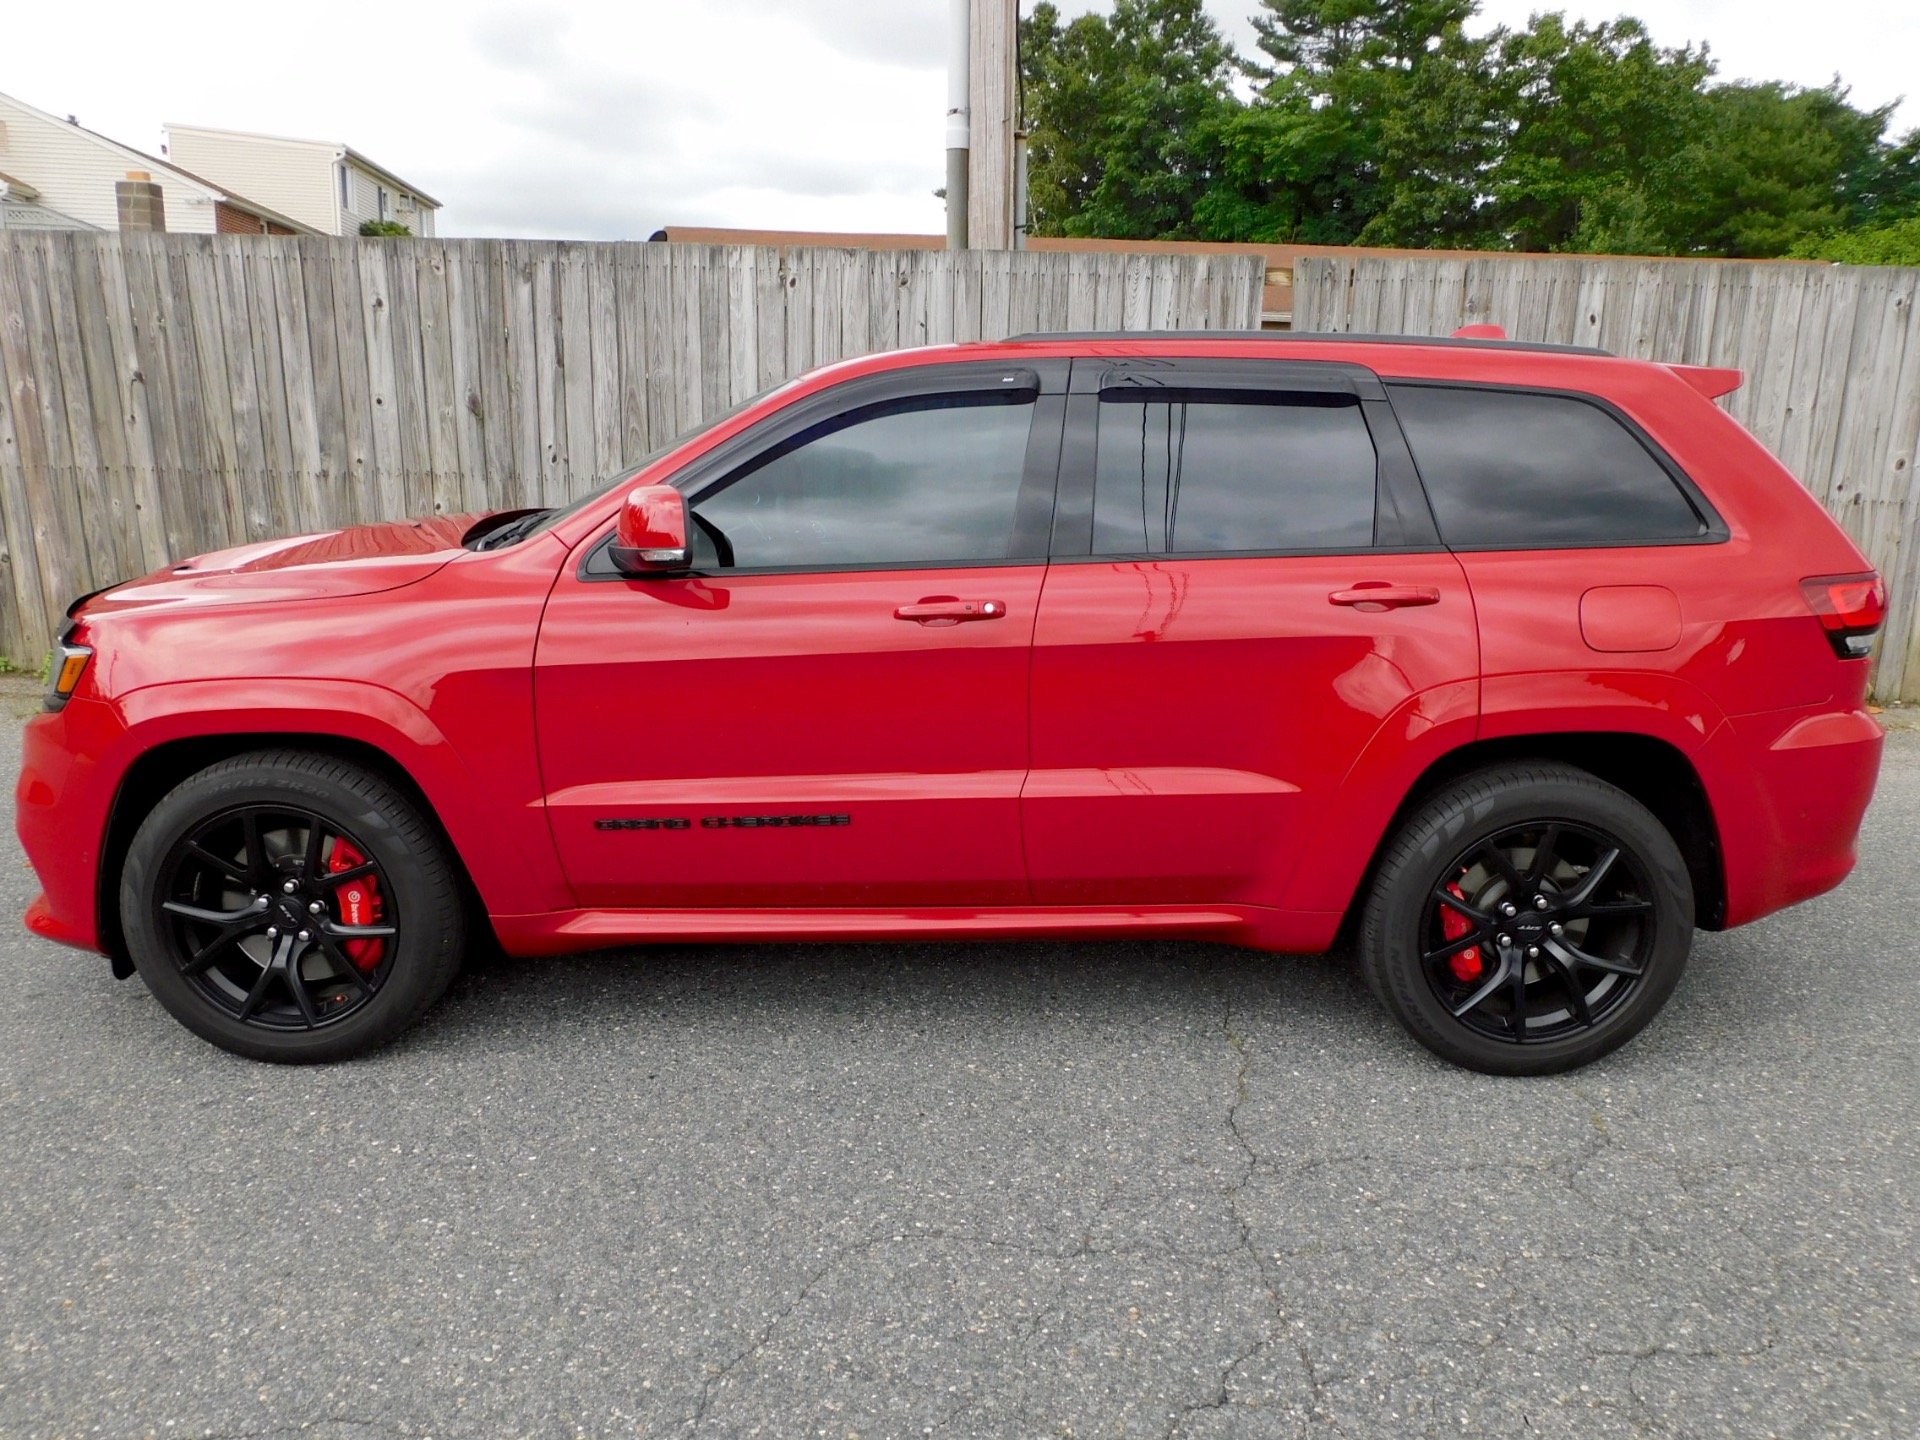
{"x":341,"y":151}
{"x":153,"y":162}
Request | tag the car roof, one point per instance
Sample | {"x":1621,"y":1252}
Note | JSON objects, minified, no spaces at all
{"x":1284,"y":337}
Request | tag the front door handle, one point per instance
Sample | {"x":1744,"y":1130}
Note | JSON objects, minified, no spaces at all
{"x":946,"y":610}
{"x":1378,"y":595}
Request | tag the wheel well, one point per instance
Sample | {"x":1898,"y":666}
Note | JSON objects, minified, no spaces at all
{"x":1653,"y":772}
{"x":153,"y":774}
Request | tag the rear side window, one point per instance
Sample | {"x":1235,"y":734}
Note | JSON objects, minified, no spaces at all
{"x":1232,"y":471}
{"x":1508,"y":469}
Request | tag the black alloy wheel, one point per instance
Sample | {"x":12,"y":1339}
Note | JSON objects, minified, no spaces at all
{"x":262,"y":902}
{"x":292,"y":907}
{"x":1527,"y":919}
{"x":1538,"y":932}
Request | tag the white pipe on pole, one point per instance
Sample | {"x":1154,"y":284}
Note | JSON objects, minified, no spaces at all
{"x":959,"y":119}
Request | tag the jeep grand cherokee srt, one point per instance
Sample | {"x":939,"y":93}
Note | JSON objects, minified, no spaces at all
{"x":1511,"y":665}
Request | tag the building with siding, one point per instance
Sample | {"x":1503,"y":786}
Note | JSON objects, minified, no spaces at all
{"x":87,"y":181}
{"x":20,"y":209}
{"x":324,"y":184}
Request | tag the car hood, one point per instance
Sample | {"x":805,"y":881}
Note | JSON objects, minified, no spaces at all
{"x":336,"y":563}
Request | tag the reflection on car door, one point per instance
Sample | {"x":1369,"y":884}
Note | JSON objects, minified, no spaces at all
{"x":1246,"y":587}
{"x":831,"y":709}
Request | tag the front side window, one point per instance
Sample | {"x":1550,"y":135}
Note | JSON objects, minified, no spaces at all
{"x":1507,"y":469}
{"x":913,"y":482}
{"x":1232,"y":471}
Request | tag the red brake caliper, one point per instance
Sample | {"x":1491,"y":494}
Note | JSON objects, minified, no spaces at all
{"x":1467,"y":966}
{"x":358,"y":903}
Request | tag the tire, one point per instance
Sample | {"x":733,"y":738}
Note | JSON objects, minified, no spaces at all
{"x":292,"y":907}
{"x":1573,"y":969}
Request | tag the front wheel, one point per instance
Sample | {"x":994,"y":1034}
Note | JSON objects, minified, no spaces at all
{"x":291,"y":907}
{"x":1528,"y":919}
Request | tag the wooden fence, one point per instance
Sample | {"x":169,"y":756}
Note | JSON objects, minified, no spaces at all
{"x":169,"y":394}
{"x":1832,"y":355}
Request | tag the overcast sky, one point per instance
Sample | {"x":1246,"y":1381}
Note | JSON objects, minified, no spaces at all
{"x":605,"y":119}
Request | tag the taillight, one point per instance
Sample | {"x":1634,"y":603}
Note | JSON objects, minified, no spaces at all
{"x":1852,"y":608}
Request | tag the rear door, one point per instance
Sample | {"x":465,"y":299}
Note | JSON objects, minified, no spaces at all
{"x":831,"y":709}
{"x":1247,"y":587}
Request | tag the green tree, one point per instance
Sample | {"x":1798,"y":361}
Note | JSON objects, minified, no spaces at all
{"x":1888,"y":187}
{"x":1773,"y":166}
{"x":1123,"y":114}
{"x":1597,"y":118}
{"x":1895,"y":244}
{"x":1372,"y":123}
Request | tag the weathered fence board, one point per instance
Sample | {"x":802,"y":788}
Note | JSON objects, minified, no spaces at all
{"x":166,"y":394}
{"x":1831,"y":353}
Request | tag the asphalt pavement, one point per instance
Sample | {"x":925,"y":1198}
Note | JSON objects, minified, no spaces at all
{"x":1010,"y":1190}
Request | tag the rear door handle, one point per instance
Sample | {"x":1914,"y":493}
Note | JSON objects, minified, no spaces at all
{"x":1381,"y":596}
{"x":945,"y":610}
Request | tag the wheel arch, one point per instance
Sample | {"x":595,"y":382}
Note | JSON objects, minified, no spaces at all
{"x":158,"y":769}
{"x":1653,"y":771}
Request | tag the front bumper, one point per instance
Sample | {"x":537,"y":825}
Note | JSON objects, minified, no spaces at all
{"x":61,"y":807}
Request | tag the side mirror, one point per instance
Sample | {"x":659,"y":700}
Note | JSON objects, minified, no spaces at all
{"x":652,"y":536}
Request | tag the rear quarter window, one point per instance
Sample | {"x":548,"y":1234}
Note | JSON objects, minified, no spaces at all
{"x":1512,"y":469}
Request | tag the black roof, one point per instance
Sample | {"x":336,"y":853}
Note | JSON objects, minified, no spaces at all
{"x":1282,"y":337}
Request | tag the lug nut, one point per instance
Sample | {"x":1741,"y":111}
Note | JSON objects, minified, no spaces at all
{"x":1509,"y":910}
{"x":1556,"y":929}
{"x":273,"y":932}
{"x":259,"y":901}
{"x":291,"y":886}
{"x":1533,"y":952}
{"x":1539,"y":902}
{"x":1503,"y":940}
{"x":303,"y":935}
{"x":315,"y":908}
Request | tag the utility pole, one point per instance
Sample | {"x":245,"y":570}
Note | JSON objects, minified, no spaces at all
{"x":986,"y":74}
{"x":959,"y":103}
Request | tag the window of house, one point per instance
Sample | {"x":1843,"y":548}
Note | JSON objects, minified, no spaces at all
{"x":1506,"y":468}
{"x":912,"y":482}
{"x":346,"y":194}
{"x":380,"y":201}
{"x":1232,"y":471}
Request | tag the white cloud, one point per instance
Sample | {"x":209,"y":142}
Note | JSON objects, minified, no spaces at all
{"x":601,"y":119}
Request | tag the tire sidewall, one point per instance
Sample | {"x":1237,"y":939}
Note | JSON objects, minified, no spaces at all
{"x":380,"y":822}
{"x":1459,"y":819}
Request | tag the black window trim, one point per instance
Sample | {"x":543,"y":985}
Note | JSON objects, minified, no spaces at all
{"x":1715,"y":529}
{"x":1403,"y":520}
{"x":1044,"y":379}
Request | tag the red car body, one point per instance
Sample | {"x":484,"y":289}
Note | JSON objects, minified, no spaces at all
{"x":1203,"y":747}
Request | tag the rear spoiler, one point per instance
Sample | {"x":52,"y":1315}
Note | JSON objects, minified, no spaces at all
{"x":1710,"y":380}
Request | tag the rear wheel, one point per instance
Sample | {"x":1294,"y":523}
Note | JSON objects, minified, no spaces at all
{"x":291,"y":907}
{"x":1528,"y":919}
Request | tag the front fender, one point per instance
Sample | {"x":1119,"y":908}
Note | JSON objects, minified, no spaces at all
{"x":501,"y":838}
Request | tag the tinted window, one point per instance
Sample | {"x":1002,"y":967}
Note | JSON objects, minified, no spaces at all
{"x":1504,"y":469}
{"x":1244,"y":472}
{"x":915,"y":482}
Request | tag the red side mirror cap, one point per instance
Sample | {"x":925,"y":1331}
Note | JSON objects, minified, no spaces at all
{"x":652,"y":535}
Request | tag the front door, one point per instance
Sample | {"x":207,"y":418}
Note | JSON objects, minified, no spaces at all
{"x":1258,"y":589}
{"x":831,"y":709}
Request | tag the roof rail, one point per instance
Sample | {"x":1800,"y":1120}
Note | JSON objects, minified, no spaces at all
{"x":1282,"y":337}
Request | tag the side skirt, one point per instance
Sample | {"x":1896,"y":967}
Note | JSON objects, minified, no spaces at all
{"x":564,"y":931}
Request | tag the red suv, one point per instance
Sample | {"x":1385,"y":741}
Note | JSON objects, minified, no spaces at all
{"x":1509,"y":664}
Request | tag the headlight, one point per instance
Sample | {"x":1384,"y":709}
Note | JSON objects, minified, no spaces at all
{"x":68,"y":664}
